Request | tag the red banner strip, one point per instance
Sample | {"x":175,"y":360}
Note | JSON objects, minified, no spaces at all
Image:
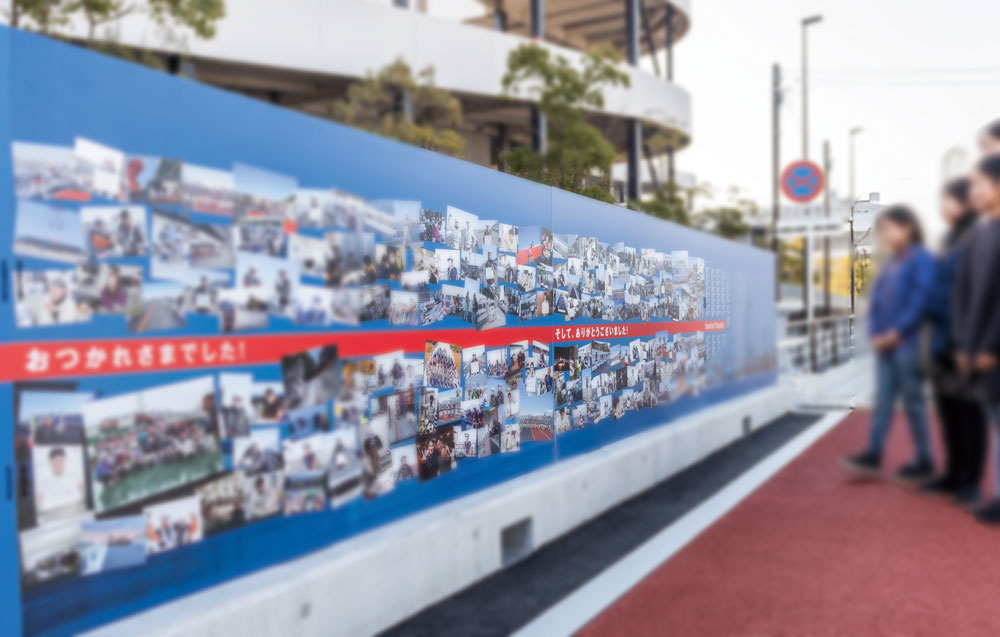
{"x":68,"y":359}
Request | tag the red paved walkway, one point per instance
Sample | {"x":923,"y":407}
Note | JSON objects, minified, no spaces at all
{"x":812,"y":554}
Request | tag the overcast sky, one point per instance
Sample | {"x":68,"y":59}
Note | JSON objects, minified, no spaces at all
{"x":920,"y":77}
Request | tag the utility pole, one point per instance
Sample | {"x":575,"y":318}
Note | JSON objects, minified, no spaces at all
{"x":776,"y":174}
{"x":806,"y":23}
{"x":826,"y":239}
{"x":854,"y":132}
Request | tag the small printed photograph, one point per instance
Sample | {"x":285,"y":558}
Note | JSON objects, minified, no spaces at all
{"x":490,"y":311}
{"x":565,"y":358}
{"x":210,"y":246}
{"x":47,"y":297}
{"x":239,"y":310}
{"x":562,"y":420}
{"x":233,"y":407}
{"x":311,"y":253}
{"x":164,"y":307}
{"x":436,"y":453}
{"x":465,"y":442}
{"x":449,"y":406}
{"x":496,"y":362}
{"x":461,"y":231}
{"x":108,"y":545}
{"x":539,"y":382}
{"x":580,"y":416}
{"x":169,"y":246}
{"x":262,"y":193}
{"x":267,"y":399}
{"x":263,"y":494}
{"x":312,"y":208}
{"x":442,"y":365}
{"x":221,"y":503}
{"x":400,"y":409}
{"x":404,"y":308}
{"x":508,"y":238}
{"x":114,"y":231}
{"x":308,"y":420}
{"x":472,"y":413}
{"x":487,"y":442}
{"x":528,"y":306}
{"x":60,"y":481}
{"x":105,"y":164}
{"x":428,"y":411}
{"x":404,"y":463}
{"x":510,"y":440}
{"x":208,"y":190}
{"x":147,"y":442}
{"x":432,"y":226}
{"x":344,"y":471}
{"x":544,"y":303}
{"x":109,"y":288}
{"x":311,"y":377}
{"x":448,"y":265}
{"x":171,"y":525}
{"x":50,"y":553}
{"x":153,"y":180}
{"x":389,"y":262}
{"x":346,"y":306}
{"x":375,"y":301}
{"x":48,"y":232}
{"x":376,"y":458}
{"x":42,"y":171}
{"x":269,"y":282}
{"x":312,"y":305}
{"x":474,"y":361}
{"x":260,"y":235}
{"x":305,"y":493}
{"x":526,"y":278}
{"x":260,"y":452}
{"x":535,"y":418}
{"x":529,"y":246}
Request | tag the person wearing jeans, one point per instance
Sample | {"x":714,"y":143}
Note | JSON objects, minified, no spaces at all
{"x":897,"y":310}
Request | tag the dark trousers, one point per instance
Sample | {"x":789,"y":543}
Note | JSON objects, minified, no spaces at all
{"x":963,"y":428}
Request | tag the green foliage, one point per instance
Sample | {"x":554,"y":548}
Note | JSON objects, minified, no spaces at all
{"x":578,"y":158}
{"x":375,"y":104}
{"x":862,"y":271}
{"x":666,"y":203}
{"x":792,"y":263}
{"x":197,"y":16}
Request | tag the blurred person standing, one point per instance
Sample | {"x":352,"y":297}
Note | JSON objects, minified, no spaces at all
{"x":989,"y":138}
{"x":897,"y":311}
{"x":962,"y":420}
{"x":975,"y":324}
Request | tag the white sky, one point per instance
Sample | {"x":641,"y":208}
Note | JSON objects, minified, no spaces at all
{"x":910,"y":118}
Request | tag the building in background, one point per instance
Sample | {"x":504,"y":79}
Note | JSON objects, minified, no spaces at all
{"x":303,"y":54}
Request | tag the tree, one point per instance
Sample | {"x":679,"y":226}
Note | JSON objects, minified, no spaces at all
{"x":199,"y":17}
{"x":725,"y":221}
{"x":666,"y":203}
{"x":862,"y":268}
{"x":578,"y":158}
{"x":394,"y":103}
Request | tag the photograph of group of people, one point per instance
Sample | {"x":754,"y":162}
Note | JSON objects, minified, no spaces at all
{"x":115,"y":478}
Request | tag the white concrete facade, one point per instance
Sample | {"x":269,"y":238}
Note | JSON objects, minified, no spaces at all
{"x":369,"y":583}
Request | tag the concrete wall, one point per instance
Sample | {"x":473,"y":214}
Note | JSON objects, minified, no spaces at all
{"x":371,"y":582}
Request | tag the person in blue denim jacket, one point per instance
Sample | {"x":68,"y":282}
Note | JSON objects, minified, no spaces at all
{"x":897,"y":310}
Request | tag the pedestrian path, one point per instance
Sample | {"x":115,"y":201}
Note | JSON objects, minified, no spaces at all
{"x":813,"y":553}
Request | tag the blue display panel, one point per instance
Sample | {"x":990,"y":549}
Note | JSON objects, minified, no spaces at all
{"x":235,"y":334}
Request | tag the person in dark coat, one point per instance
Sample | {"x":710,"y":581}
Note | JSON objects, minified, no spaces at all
{"x":962,"y":421}
{"x":975,"y":306}
{"x":897,"y":311}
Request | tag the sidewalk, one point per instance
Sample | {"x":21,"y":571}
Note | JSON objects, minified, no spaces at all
{"x":812,"y":553}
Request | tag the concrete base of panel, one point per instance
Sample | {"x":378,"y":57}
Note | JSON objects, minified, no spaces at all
{"x":370,"y":582}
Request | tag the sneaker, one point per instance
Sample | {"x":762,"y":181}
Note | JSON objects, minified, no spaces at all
{"x":966,"y":497}
{"x":915,"y":471}
{"x":866,"y":464}
{"x":989,"y":513}
{"x":940,"y":485}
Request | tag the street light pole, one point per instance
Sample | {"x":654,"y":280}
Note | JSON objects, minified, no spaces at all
{"x":806,"y":22}
{"x":854,"y":132}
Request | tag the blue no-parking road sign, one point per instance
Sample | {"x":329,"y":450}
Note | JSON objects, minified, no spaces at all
{"x":802,"y":181}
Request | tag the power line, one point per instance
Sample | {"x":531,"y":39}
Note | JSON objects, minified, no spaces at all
{"x":912,"y":71}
